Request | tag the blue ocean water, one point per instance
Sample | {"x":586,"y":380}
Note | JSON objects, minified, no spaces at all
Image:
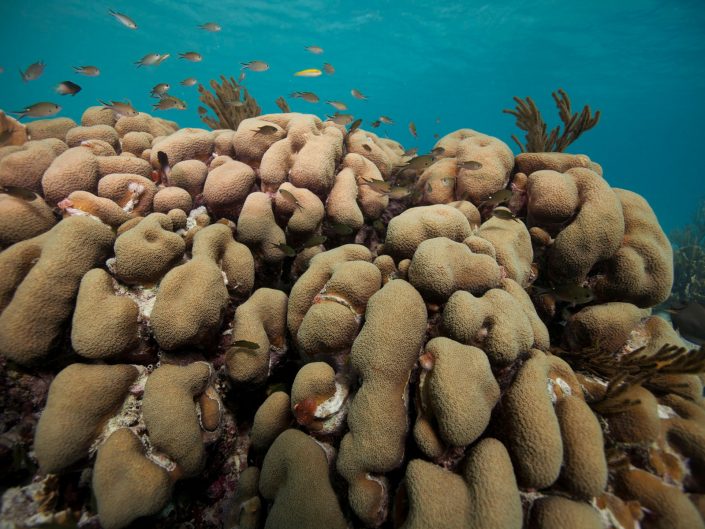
{"x":444,"y":66}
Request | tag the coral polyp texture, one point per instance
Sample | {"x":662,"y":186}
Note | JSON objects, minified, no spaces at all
{"x":296,"y":325}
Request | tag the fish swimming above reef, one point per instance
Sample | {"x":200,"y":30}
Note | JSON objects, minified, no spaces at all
{"x":255,"y":66}
{"x":314,"y":49}
{"x":120,"y":108}
{"x":189,"y":81}
{"x":38,"y":110}
{"x":689,"y":321}
{"x":386,"y":120}
{"x":573,"y":294}
{"x":497,"y":198}
{"x":160,"y":89}
{"x":90,"y":71}
{"x":470,"y":165}
{"x":306,"y":96}
{"x":123,"y":19}
{"x":168,"y":102}
{"x":33,"y":71}
{"x":191,"y":56}
{"x":211,"y":26}
{"x":341,"y":119}
{"x":338,"y":105}
{"x":66,"y":88}
{"x":149,"y":60}
{"x":328,"y":68}
{"x":309,"y":72}
{"x":357,"y":94}
{"x":504,"y":213}
{"x":412,"y":129}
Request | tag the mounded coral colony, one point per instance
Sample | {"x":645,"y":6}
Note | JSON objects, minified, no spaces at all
{"x":245,"y":329}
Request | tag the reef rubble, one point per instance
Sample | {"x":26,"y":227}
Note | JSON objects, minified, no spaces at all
{"x":297,"y":325}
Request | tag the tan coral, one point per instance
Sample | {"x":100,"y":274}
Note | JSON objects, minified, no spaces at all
{"x":136,"y":142}
{"x":24,"y":166}
{"x":409,"y":229}
{"x":529,"y":162}
{"x":257,"y":228}
{"x":105,"y":325}
{"x":441,"y":266}
{"x":295,"y":477}
{"x":171,"y":417}
{"x":98,"y":115}
{"x":490,"y":322}
{"x":85,"y":203}
{"x":189,"y":175}
{"x":146,"y":252}
{"x":123,"y":165}
{"x":126,"y":484}
{"x":184,"y":144}
{"x":226,"y":188}
{"x":383,"y":354}
{"x":512,"y":244}
{"x":458,"y":391}
{"x":133,"y":193}
{"x":641,"y":270}
{"x":169,"y":198}
{"x":41,"y":277}
{"x":250,"y":145}
{"x":271,"y":419}
{"x":81,"y":399}
{"x":42,"y":129}
{"x":191,"y":317}
{"x":556,"y":512}
{"x":261,"y":320}
{"x":593,"y":218}
{"x":74,"y":170}
{"x":105,"y":133}
{"x":492,"y":486}
{"x":22,"y":219}
{"x":307,"y":157}
{"x":18,"y":136}
{"x":531,"y":430}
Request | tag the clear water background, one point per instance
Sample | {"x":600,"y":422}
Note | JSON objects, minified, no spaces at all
{"x":641,"y":62}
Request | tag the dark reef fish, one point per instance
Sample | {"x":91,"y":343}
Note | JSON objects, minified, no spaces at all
{"x":67,"y":87}
{"x":689,"y":321}
{"x":38,"y":110}
{"x":33,"y":71}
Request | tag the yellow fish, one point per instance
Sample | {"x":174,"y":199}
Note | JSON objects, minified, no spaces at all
{"x":310,"y":72}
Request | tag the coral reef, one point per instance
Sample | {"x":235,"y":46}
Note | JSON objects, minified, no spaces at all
{"x":689,"y":259}
{"x":290,"y":324}
{"x":231,"y":104}
{"x":529,"y":119}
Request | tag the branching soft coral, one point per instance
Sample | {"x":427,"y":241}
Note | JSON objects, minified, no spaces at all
{"x":689,"y":259}
{"x":227,"y":105}
{"x":529,"y":119}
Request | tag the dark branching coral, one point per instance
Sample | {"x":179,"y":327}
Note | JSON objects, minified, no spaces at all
{"x":624,"y":371}
{"x":689,"y":259}
{"x":225,"y":104}
{"x":529,"y":119}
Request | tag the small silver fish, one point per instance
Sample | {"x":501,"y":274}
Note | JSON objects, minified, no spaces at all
{"x":255,"y":66}
{"x":357,"y":94}
{"x":290,"y":198}
{"x":504,"y":213}
{"x":90,"y":71}
{"x":386,"y":120}
{"x":341,"y":119}
{"x":338,"y":105}
{"x":168,"y":102}
{"x":162,"y":59}
{"x":210,"y":26}
{"x":67,"y":87}
{"x":123,"y":19}
{"x":244,"y":344}
{"x":241,"y":77}
{"x":38,"y":110}
{"x":317,"y":50}
{"x":438,"y":151}
{"x":160,"y":89}
{"x":470,"y":165}
{"x":148,"y":60}
{"x":33,"y":71}
{"x":189,"y":81}
{"x":412,"y":129}
{"x":328,"y":68}
{"x":191,"y":56}
{"x":306,"y":96}
{"x":123,"y":109}
{"x":266,"y":129}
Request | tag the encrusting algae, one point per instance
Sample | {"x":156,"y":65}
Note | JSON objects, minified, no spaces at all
{"x":288,"y":322}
